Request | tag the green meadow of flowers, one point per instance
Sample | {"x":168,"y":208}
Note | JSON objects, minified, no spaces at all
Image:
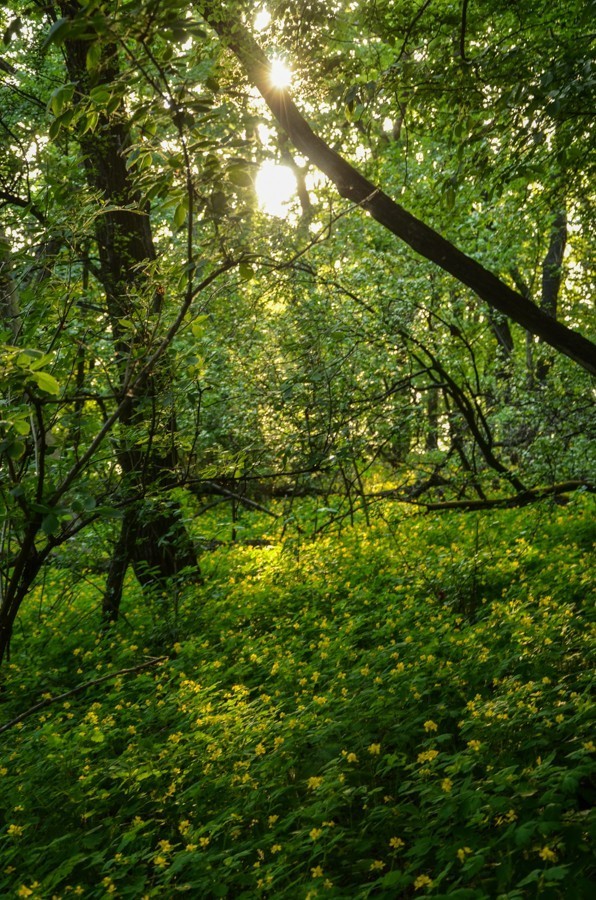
{"x":402,"y":711}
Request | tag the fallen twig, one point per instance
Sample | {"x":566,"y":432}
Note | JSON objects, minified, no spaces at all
{"x":77,"y":690}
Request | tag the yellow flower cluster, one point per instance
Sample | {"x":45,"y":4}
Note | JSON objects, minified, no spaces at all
{"x":427,"y":756}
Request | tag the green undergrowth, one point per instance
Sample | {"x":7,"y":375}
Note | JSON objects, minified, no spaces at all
{"x":402,"y":711}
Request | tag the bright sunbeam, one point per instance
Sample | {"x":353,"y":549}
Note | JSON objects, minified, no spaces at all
{"x":262,"y":19}
{"x":280,"y":75}
{"x":275,"y":186}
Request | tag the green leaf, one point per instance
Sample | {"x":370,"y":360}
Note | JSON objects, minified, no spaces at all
{"x":93,"y":56}
{"x":15,"y":450}
{"x":246,"y":271}
{"x":50,"y":524}
{"x":392,"y":878}
{"x":89,"y":121}
{"x":60,"y":122}
{"x":57,"y":33}
{"x":46,"y":382}
{"x":240,"y":176}
{"x":555,"y":873}
{"x":60,"y":97}
{"x":180,"y":214}
{"x":100,"y":95}
{"x":21,"y":426}
{"x":108,"y":512}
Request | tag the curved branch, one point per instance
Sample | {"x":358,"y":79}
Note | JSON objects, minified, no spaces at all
{"x":77,"y":690}
{"x":524,"y":498}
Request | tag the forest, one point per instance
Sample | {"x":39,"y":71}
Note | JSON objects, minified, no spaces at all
{"x":297,"y":458}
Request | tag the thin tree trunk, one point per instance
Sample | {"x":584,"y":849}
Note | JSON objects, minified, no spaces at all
{"x":10,"y":314}
{"x":432,"y":415}
{"x":552,"y":276}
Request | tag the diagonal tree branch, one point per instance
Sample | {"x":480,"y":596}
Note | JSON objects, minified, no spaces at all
{"x":352,"y":185}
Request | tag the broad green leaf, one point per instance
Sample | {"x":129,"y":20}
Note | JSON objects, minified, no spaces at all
{"x":21,"y":426}
{"x":15,"y":449}
{"x":246,"y":271}
{"x":180,"y":214}
{"x":57,"y":33}
{"x":93,"y":56}
{"x":50,"y":524}
{"x":46,"y":382}
{"x":240,"y":176}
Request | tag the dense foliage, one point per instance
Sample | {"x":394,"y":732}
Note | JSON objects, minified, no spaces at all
{"x":205,"y":341}
{"x":404,"y":709}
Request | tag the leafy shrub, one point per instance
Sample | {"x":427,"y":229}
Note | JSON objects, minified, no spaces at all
{"x":331,"y":724}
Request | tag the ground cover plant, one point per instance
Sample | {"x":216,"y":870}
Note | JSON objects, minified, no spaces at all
{"x":402,"y":710}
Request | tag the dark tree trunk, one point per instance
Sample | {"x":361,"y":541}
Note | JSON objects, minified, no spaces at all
{"x":552,"y":273}
{"x":552,"y":276}
{"x":10,"y":315}
{"x":154,"y":540}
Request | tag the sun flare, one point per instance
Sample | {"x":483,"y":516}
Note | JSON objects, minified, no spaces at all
{"x":262,"y":19}
{"x":275,"y":186}
{"x":280,"y":74}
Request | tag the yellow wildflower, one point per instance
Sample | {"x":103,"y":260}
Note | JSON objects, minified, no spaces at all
{"x":15,"y":830}
{"x":315,"y":833}
{"x":427,"y":756}
{"x":314,"y":782}
{"x":352,"y":758}
{"x":376,"y":865}
{"x":374,"y":749}
{"x":422,"y":881}
{"x":317,"y":872}
{"x":547,"y":854}
{"x":462,"y":853}
{"x":474,"y":745}
{"x":446,"y":785}
{"x":396,"y":843}
{"x":430,"y":726}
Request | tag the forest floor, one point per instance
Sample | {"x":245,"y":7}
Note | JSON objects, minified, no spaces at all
{"x":399,"y":711}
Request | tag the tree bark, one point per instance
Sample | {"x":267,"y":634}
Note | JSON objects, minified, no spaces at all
{"x":552,"y":266}
{"x":155,"y":542}
{"x":355,"y":187}
{"x":552,"y":276}
{"x":10,"y":314}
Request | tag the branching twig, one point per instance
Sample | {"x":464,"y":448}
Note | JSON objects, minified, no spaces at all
{"x":77,"y":690}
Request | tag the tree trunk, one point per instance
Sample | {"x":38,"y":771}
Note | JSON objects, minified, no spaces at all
{"x":552,"y":276}
{"x":10,"y":315}
{"x":432,"y":415}
{"x":156,"y":542}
